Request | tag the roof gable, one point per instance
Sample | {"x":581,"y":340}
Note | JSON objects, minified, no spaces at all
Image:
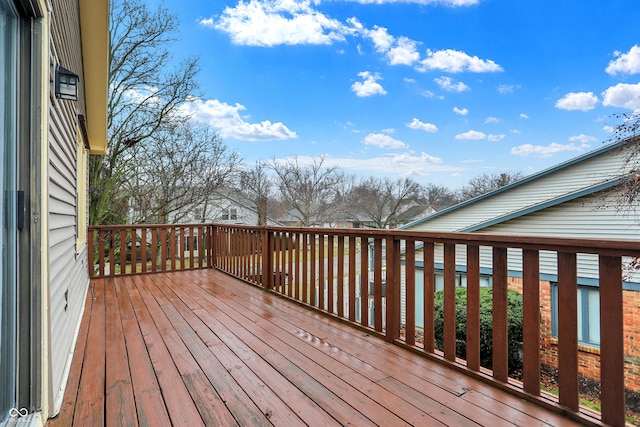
{"x":577,"y":177}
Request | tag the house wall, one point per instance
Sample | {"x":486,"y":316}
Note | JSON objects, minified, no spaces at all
{"x":594,"y":170}
{"x":67,"y":260}
{"x":589,"y":357}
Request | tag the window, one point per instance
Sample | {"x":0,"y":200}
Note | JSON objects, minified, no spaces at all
{"x":588,"y":314}
{"x":230,"y":214}
{"x":461,"y":281}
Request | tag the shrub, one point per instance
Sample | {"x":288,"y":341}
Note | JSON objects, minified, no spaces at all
{"x":514,"y":329}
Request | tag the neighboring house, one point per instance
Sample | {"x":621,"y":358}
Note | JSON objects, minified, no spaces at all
{"x":51,"y":51}
{"x":576,"y":198}
{"x":227,"y":206}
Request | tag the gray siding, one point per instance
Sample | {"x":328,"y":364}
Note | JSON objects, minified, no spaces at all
{"x":595,"y":170}
{"x":68,"y":275}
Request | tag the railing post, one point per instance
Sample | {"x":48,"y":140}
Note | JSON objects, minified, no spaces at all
{"x":568,"y":331}
{"x":268,"y":270}
{"x":612,"y":341}
{"x":393,"y":289}
{"x":90,"y":251}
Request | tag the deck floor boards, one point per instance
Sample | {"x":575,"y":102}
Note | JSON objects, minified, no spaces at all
{"x":201,"y":348}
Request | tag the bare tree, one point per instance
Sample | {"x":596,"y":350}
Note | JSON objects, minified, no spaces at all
{"x":485,"y":183}
{"x":627,"y":130}
{"x":383,"y":201}
{"x":439,"y":196}
{"x":176,"y":171}
{"x":257,"y":185}
{"x":311,"y":193}
{"x":143,"y":95}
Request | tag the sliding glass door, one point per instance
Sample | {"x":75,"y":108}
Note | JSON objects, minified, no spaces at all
{"x":8,"y":209}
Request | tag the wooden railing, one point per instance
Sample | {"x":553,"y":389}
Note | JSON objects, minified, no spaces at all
{"x":134,"y":249}
{"x":368,"y":278}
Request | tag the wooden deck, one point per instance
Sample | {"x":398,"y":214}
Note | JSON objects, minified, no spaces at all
{"x":202,"y":348}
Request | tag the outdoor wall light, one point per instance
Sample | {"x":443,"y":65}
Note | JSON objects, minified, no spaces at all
{"x":66,"y":84}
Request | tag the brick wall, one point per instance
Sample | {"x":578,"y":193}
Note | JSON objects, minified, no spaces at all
{"x":589,"y":357}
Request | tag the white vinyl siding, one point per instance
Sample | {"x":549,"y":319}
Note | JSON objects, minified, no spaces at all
{"x":68,"y":274}
{"x":565,"y":181}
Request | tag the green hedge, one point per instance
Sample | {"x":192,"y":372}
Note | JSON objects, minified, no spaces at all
{"x":515,"y":326}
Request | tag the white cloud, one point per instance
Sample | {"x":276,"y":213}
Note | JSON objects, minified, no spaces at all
{"x":403,"y":164}
{"x":404,"y":53}
{"x":446,"y":83}
{"x":529,"y":150}
{"x":399,"y":51}
{"x":492,"y":119}
{"x":524,"y":116}
{"x":622,"y":95}
{"x":472,"y":135}
{"x":625,"y":63}
{"x":455,"y":61}
{"x":418,"y":125}
{"x":381,"y":38}
{"x":608,"y":128}
{"x":583,"y":101}
{"x":208,"y":22}
{"x":226,"y":118}
{"x":383,"y":141}
{"x":460,"y":111}
{"x":506,"y":89}
{"x":369,"y":86}
{"x":388,"y":131}
{"x":496,"y":138}
{"x":583,"y":138}
{"x":276,"y":22}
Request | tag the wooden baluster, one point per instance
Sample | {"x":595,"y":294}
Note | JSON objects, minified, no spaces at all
{"x":410,"y":292}
{"x":341,"y":276}
{"x":473,"y":308}
{"x":377,"y":284}
{"x":364,"y":281}
{"x":352,"y":278}
{"x":450,"y":302}
{"x":429,"y":291}
{"x":568,"y":331}
{"x":305,"y":268}
{"x":134,"y":250}
{"x":163,"y":246}
{"x":531,"y":322}
{"x":101,"y":251}
{"x":312,"y":274}
{"x":322,"y":259}
{"x":393,"y":289}
{"x":112,"y":256}
{"x":290,"y":270}
{"x":330,"y":275}
{"x":143,"y":249}
{"x":123,"y":251}
{"x":172,"y":248}
{"x":500,"y":324}
{"x":611,"y":341}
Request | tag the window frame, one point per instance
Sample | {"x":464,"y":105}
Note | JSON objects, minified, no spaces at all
{"x":583,"y":313}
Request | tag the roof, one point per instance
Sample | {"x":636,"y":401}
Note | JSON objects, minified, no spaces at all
{"x":563,"y":182}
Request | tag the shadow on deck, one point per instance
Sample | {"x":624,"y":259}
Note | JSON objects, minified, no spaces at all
{"x":202,"y":348}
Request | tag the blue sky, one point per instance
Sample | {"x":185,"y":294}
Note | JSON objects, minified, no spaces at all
{"x":439,"y":91}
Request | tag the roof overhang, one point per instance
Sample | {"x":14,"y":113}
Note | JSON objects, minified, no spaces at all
{"x":94,"y":28}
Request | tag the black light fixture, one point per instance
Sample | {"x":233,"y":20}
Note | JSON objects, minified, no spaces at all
{"x":66,"y":84}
